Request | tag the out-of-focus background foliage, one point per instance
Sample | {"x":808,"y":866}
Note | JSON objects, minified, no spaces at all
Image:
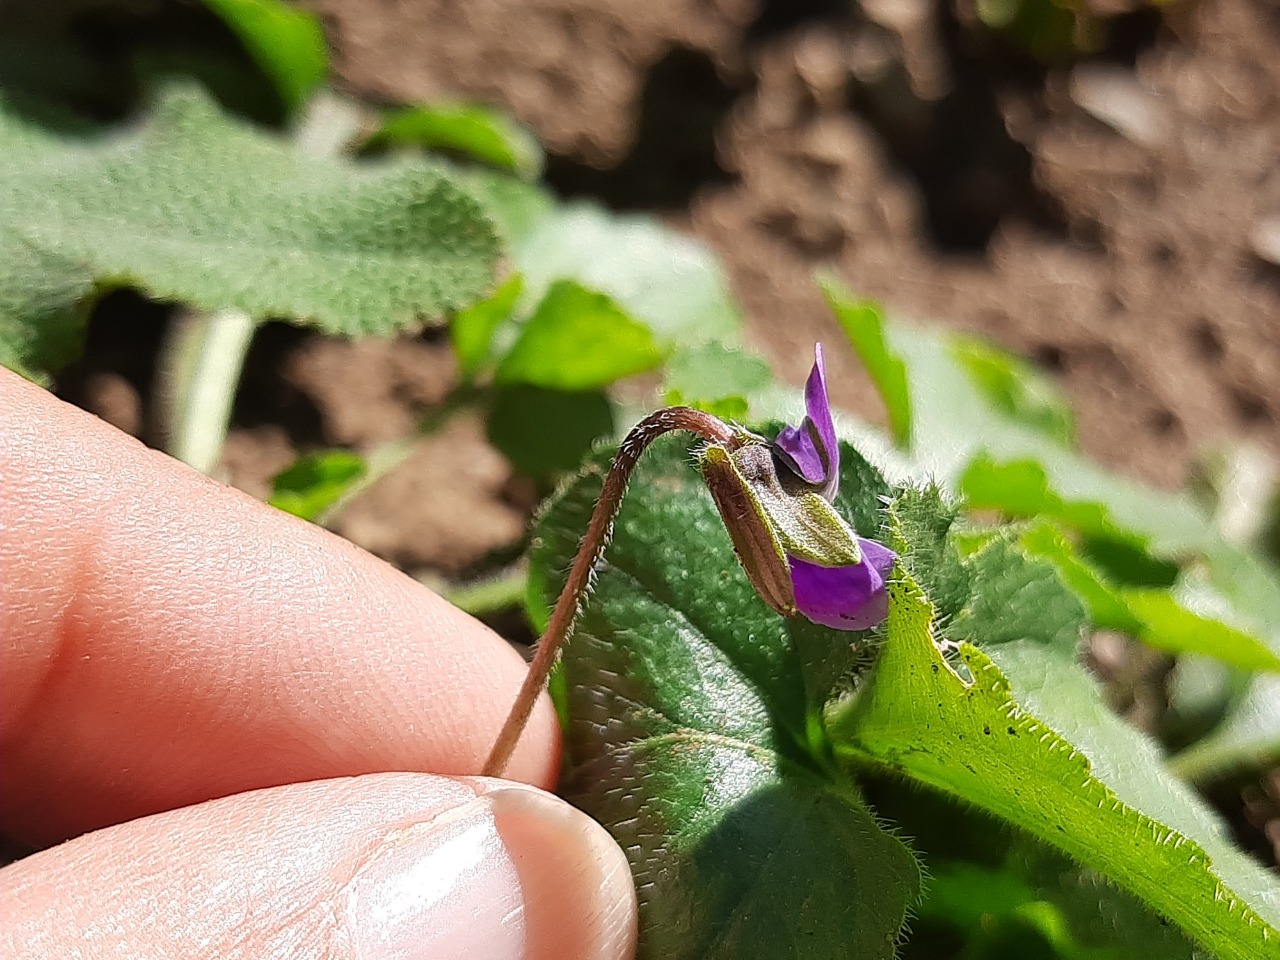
{"x":1090,"y":184}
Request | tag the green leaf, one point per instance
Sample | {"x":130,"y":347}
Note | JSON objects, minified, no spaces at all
{"x":1034,"y":889}
{"x":1066,"y":913}
{"x":956,"y":426}
{"x":1027,"y":738}
{"x":689,"y":738}
{"x":41,"y":328}
{"x":316,"y":482}
{"x":1020,"y":488}
{"x":544,"y":432}
{"x":665,"y":280}
{"x":1017,"y":388}
{"x":472,"y":329}
{"x":483,"y":133}
{"x":285,"y":41}
{"x":578,"y":339}
{"x":1171,"y":627}
{"x":863,"y":323}
{"x":990,"y":887}
{"x":1151,"y":615}
{"x":196,"y":208}
{"x":1106,"y":606}
{"x":715,"y":378}
{"x":517,"y":207}
{"x":956,"y":423}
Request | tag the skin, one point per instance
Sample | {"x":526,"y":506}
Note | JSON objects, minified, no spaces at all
{"x":221,"y":705}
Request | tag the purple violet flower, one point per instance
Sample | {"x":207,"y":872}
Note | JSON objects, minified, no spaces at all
{"x":775,"y":500}
{"x":846,"y":597}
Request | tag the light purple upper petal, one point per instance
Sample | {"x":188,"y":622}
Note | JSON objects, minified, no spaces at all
{"x":845,"y":598}
{"x":812,"y":447}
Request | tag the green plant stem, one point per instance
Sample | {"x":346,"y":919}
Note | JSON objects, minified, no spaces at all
{"x":329,"y":125}
{"x":200,"y":366}
{"x":590,"y":552}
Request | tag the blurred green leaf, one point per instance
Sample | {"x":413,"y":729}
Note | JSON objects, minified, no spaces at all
{"x":1249,"y":736}
{"x":665,"y":280}
{"x":1106,"y":606}
{"x":194,"y":207}
{"x":480,"y":132}
{"x":1134,"y":534}
{"x":480,"y":598}
{"x":714,"y":378}
{"x":1077,"y":914}
{"x":287,"y":42}
{"x":1152,"y":615}
{"x":1017,"y":388}
{"x":863,"y":323}
{"x":517,"y":207}
{"x":578,"y":339}
{"x":1021,"y":489}
{"x":997,"y":907}
{"x":1052,"y":31}
{"x":472,"y":329}
{"x":42,"y":325}
{"x":1171,"y":627}
{"x":956,"y":423}
{"x":967,"y":894}
{"x":544,"y":432}
{"x":316,"y":482}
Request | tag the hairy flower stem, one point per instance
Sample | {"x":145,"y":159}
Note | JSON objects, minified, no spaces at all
{"x":599,"y":532}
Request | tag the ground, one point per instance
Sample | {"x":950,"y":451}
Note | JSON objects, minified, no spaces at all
{"x":1118,"y":221}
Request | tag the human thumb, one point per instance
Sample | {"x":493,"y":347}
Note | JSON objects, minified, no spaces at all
{"x":364,"y":868}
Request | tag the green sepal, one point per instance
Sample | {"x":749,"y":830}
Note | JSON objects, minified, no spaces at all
{"x":807,"y":525}
{"x":755,"y":539}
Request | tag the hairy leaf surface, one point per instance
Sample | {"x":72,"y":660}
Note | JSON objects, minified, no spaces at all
{"x":1015,"y":727}
{"x":194,"y":207}
{"x":690,"y":735}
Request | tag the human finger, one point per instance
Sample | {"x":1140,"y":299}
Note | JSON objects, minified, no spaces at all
{"x":366,"y":868}
{"x":165,"y":640}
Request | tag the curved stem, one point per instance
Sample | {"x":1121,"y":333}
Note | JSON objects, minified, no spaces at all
{"x":590,"y":551}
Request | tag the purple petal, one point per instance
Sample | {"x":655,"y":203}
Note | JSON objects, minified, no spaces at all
{"x":845,"y":598}
{"x":812,"y":447}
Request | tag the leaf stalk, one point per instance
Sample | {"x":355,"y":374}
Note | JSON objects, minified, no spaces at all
{"x":200,"y":367}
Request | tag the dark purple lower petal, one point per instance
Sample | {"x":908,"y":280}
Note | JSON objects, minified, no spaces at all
{"x":845,"y":598}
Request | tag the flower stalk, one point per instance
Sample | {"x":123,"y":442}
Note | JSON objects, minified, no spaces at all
{"x":590,"y":551}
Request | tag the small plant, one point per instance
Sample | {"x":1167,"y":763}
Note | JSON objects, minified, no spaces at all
{"x":726,"y":746}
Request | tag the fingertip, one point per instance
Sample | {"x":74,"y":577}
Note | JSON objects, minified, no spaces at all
{"x":515,"y":874}
{"x":382,"y":867}
{"x":579,"y":898}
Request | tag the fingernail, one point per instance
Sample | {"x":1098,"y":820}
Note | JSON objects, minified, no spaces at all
{"x":515,"y":873}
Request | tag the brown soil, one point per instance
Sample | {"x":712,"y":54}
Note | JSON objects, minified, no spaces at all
{"x":1109,"y":221}
{"x":1117,"y":221}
